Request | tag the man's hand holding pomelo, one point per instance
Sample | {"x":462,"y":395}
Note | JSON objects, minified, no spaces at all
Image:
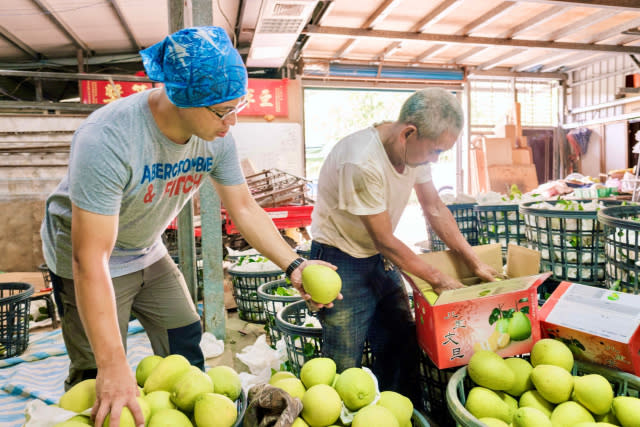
{"x":296,"y":281}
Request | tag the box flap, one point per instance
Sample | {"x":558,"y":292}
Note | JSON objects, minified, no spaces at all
{"x":487,"y":289}
{"x":452,"y":265}
{"x":522,"y":261}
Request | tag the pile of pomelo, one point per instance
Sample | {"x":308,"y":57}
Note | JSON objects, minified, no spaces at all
{"x":543,"y":392}
{"x":323,"y":393}
{"x":172,"y":393}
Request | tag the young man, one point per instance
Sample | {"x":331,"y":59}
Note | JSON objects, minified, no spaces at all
{"x":133,"y":165}
{"x":364,"y":185}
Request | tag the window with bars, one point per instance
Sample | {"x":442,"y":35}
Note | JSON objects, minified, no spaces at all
{"x":492,"y":100}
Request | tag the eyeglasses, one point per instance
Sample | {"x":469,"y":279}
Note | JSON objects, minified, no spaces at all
{"x":241,"y":106}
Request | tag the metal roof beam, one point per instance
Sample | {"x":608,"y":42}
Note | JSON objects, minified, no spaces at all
{"x":446,"y":38}
{"x":534,"y":21}
{"x":538,"y":60}
{"x":125,"y":25}
{"x":8,"y":36}
{"x":617,"y":30}
{"x":429,"y":52}
{"x":525,"y":75}
{"x":571,"y":59}
{"x":467,"y":54}
{"x":59,"y":23}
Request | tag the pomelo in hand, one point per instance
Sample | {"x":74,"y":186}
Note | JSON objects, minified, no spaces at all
{"x":356,"y":388}
{"x":321,"y":405}
{"x":321,"y":282}
{"x":126,"y":417}
{"x":320,"y":370}
{"x":159,"y":399}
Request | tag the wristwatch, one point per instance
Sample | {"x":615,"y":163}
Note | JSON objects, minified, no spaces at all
{"x":294,"y":264}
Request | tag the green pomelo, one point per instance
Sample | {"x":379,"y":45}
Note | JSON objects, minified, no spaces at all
{"x":519,"y":327}
{"x":533,"y":399}
{"x":398,"y":404}
{"x":299,"y":422}
{"x":482,"y":402}
{"x":81,"y":419}
{"x":522,"y":375}
{"x":225,"y":381}
{"x":609,"y":417}
{"x":335,"y":380}
{"x":293,"y":386}
{"x":493,"y":422}
{"x":548,"y":351}
{"x":321,"y":405}
{"x":214,"y":410}
{"x":627,"y":410}
{"x":189,"y":386}
{"x":489,"y":370}
{"x":159,"y":399}
{"x":431,"y":296}
{"x":280,"y":375}
{"x":374,"y":416}
{"x":169,"y":418}
{"x":570,"y":413}
{"x":144,"y":368}
{"x":356,"y":388}
{"x":80,"y":397}
{"x":552,"y":382}
{"x":511,"y":402}
{"x":321,"y":282}
{"x":126,"y":417}
{"x":594,"y":392}
{"x":320,"y":370}
{"x":71,"y":423}
{"x":530,"y":417}
{"x":166,"y":373}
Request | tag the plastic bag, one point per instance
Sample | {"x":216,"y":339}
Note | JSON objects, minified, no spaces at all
{"x":260,"y":358}
{"x":211,"y":346}
{"x":39,"y":414}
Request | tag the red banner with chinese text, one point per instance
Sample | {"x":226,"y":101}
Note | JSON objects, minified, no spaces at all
{"x":267,"y":97}
{"x":104,"y":92}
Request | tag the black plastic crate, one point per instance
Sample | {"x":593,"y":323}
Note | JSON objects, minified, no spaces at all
{"x":14,"y":318}
{"x":502,"y":224}
{"x":272,"y":302}
{"x":245,"y":292}
{"x":467,"y":222}
{"x":622,"y":247}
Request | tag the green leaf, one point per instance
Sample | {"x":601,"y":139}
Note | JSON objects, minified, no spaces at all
{"x":523,"y":300}
{"x":494,"y":316}
{"x":525,"y":309}
{"x":309,"y":350}
{"x":508,"y":314}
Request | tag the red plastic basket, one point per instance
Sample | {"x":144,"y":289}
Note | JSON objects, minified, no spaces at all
{"x":282,"y":216}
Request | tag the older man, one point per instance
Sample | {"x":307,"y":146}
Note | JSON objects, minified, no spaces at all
{"x":364,"y":186}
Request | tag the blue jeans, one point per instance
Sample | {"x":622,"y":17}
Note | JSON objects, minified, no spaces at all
{"x":375,"y":306}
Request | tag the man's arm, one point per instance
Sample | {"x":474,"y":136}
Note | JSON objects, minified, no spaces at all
{"x":392,"y":248}
{"x":445,"y":226}
{"x":258,"y":229}
{"x":93,"y":237}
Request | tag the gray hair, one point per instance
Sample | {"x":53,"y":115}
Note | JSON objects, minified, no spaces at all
{"x":433,"y":111}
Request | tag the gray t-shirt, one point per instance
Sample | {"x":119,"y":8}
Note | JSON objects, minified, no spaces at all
{"x":122,"y":164}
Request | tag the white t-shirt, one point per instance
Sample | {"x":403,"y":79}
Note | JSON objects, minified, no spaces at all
{"x":357,"y":178}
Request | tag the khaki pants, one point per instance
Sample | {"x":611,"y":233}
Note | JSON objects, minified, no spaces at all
{"x":159,"y":299}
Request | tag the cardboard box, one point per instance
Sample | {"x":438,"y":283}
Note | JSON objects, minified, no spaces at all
{"x":498,"y":151}
{"x":599,"y":325}
{"x":506,"y":131}
{"x":464,"y":320}
{"x":501,"y":177}
{"x":522,"y":156}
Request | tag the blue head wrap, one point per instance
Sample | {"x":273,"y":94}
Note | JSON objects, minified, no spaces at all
{"x":198,"y":66}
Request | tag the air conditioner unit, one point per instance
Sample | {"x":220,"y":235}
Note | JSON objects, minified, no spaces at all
{"x":279,"y":25}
